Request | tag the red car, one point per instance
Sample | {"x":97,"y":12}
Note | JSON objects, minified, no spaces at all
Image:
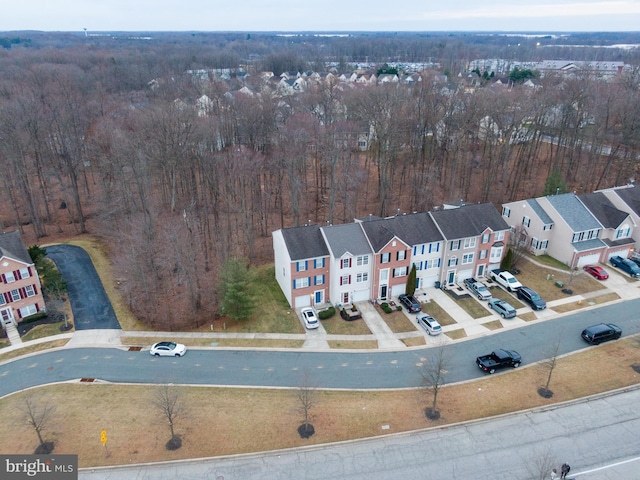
{"x":598,"y":272}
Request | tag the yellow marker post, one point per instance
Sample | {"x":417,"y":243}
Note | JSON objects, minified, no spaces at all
{"x":103,"y":439}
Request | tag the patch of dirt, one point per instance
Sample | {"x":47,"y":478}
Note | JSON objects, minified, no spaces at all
{"x":44,"y":448}
{"x":306,"y":430}
{"x":175,"y":443}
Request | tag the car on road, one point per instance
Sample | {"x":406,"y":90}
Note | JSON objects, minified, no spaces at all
{"x":499,"y":359}
{"x":410,"y":302}
{"x":596,"y":271}
{"x":625,"y":265}
{"x":601,"y":332}
{"x":309,"y":318}
{"x":429,"y":323}
{"x":531,"y":297}
{"x":168,"y":349}
{"x":502,"y":308}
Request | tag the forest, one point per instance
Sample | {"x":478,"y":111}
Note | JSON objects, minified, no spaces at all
{"x":108,"y":135}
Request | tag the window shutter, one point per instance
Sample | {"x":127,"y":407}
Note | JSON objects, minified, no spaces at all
{"x":306,"y":264}
{"x":35,"y":290}
{"x":294,"y":284}
{"x":350,"y":262}
{"x":297,"y":267}
{"x":349,"y":279}
{"x":30,"y":272}
{"x":309,"y":281}
{"x":19,"y":313}
{"x":322,"y":279}
{"x":4,"y":279}
{"x":37,"y":307}
{"x":340,"y":280}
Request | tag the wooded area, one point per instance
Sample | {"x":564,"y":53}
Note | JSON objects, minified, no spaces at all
{"x":105,"y":137}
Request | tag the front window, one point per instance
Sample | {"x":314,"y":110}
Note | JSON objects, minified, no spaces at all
{"x":24,"y":273}
{"x":400,"y":272}
{"x":506,"y":212}
{"x":486,"y":237}
{"x":402,"y":254}
{"x":29,"y":291}
{"x":362,"y":277}
{"x":346,"y":262}
{"x":2,"y":300}
{"x":548,"y":226}
{"x":385,"y":258}
{"x":499,"y":236}
{"x":319,"y":280}
{"x":526,"y":221}
{"x":362,"y":260}
{"x":9,"y":277}
{"x":434,"y":263}
{"x":496,"y":254}
{"x":455,"y":245}
{"x":470,"y":242}
{"x":344,"y":280}
{"x":453,"y":261}
{"x":301,"y":282}
{"x":302,"y":266}
{"x":623,"y":232}
{"x":29,"y":310}
{"x":15,"y":295}
{"x":482,"y":255}
{"x":468,"y":258}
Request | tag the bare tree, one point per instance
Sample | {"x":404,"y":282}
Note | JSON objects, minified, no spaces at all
{"x":167,"y":400}
{"x":37,"y":413}
{"x":549,"y":366}
{"x":541,"y":463}
{"x":306,"y":395}
{"x":432,"y":371}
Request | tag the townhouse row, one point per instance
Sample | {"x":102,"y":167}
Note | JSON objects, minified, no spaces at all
{"x":371,"y":258}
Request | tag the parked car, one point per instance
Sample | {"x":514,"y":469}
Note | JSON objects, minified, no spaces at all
{"x":429,"y":323}
{"x":309,"y":318}
{"x":596,"y":271}
{"x":167,"y":349}
{"x":601,"y":332}
{"x":410,"y":302}
{"x":499,"y":359}
{"x":625,"y":265}
{"x":502,"y":308}
{"x":531,"y":297}
{"x":505,"y":279}
{"x":478,"y":288}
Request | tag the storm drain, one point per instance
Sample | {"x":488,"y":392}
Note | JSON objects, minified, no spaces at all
{"x":135,"y":349}
{"x":87,"y":380}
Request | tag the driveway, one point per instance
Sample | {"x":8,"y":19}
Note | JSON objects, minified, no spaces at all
{"x":89,"y":302}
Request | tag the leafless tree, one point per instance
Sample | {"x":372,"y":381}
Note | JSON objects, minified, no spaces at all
{"x":306,"y":396}
{"x":549,"y":366}
{"x":168,"y":401}
{"x":541,"y":463}
{"x":433,"y":370}
{"x":37,"y":413}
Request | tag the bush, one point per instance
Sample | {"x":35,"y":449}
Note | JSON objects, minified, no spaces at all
{"x":399,"y":308}
{"x":327,"y":313}
{"x":385,"y":307}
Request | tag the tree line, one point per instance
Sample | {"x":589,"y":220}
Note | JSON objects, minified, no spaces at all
{"x":88,"y":144}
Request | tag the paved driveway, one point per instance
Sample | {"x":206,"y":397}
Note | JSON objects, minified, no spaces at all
{"x":89,"y":302}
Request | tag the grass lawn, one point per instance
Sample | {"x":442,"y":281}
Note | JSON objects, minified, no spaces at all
{"x":493,"y":325}
{"x":337,"y":326}
{"x":499,"y":292}
{"x":473,"y":307}
{"x":414,"y":341}
{"x":437,"y":312}
{"x":353,"y":344}
{"x":600,"y":299}
{"x":4,"y":356}
{"x":226,"y":421}
{"x":399,"y":323}
{"x":44,"y":331}
{"x":215,"y":342}
{"x":456,"y":334}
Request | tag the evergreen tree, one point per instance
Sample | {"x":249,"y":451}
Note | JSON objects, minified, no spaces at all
{"x":506,"y":261}
{"x":236,"y":296}
{"x":411,"y":281}
{"x":554,"y":184}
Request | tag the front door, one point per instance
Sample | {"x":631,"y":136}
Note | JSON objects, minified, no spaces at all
{"x":319,"y":297}
{"x":6,"y":315}
{"x":480,"y":271}
{"x":451,"y":277}
{"x":383,"y":292}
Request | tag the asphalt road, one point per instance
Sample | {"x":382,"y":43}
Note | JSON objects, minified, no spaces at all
{"x":335,"y":369}
{"x":89,"y":302}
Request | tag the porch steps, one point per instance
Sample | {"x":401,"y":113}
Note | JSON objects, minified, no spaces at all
{"x":13,"y":335}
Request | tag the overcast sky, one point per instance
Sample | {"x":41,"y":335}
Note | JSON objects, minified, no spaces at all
{"x":320,"y":15}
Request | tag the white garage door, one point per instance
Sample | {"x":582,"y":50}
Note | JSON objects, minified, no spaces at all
{"x":588,"y":259}
{"x":398,"y":290}
{"x":622,"y":253}
{"x":303,"y":301}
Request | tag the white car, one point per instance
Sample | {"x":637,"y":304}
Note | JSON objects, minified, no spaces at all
{"x":168,"y":349}
{"x":309,"y":318}
{"x":429,"y":323}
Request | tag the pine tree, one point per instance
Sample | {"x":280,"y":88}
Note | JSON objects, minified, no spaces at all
{"x":411,"y":281}
{"x":236,"y":296}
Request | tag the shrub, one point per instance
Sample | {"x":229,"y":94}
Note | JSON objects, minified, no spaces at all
{"x":399,"y":308}
{"x":385,"y":307}
{"x":327,"y":313}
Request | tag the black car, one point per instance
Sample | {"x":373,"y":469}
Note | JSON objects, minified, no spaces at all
{"x":601,"y":332}
{"x":410,"y":302}
{"x":531,"y":297}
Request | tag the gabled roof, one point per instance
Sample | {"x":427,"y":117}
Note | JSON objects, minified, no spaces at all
{"x":12,"y":246}
{"x":630,"y":196}
{"x":414,"y":228}
{"x":602,"y":208}
{"x":305,"y":242}
{"x":536,"y":207}
{"x":573,"y":212}
{"x":468,"y":220}
{"x":346,"y":238}
{"x":378,"y":232}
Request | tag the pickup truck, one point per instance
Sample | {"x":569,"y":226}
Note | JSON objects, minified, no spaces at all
{"x":499,"y":359}
{"x":477,"y":288}
{"x":505,"y":279}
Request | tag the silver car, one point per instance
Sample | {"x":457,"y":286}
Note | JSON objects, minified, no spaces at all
{"x":429,"y":323}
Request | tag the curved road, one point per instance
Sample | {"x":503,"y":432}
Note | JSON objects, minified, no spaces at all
{"x":351,"y":370}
